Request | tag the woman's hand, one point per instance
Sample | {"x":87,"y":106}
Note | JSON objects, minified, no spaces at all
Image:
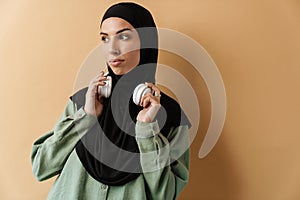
{"x":93,"y":100}
{"x":150,"y":104}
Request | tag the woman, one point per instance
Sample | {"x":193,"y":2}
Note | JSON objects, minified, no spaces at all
{"x":109,"y":147}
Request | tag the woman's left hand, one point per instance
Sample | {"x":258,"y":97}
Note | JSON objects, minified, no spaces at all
{"x":151,"y":105}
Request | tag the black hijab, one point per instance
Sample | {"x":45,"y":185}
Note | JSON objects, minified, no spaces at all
{"x":109,"y":151}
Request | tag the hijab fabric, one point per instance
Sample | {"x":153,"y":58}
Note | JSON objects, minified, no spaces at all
{"x":109,"y":151}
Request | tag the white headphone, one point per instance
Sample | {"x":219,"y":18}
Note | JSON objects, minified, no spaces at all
{"x":140,"y":90}
{"x":106,"y":89}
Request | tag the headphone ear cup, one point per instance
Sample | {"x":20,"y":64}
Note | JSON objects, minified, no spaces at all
{"x":146,"y":91}
{"x":106,"y":89}
{"x":139,"y":92}
{"x":136,"y":93}
{"x":109,"y":86}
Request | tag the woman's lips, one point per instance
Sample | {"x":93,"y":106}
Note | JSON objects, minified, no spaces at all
{"x":116,"y":62}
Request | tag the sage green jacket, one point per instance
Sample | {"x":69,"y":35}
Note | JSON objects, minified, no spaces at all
{"x":165,"y":164}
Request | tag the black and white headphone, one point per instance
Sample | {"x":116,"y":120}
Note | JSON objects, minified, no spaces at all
{"x":140,"y":90}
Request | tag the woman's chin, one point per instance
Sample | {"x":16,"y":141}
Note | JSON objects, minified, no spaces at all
{"x":120,"y":70}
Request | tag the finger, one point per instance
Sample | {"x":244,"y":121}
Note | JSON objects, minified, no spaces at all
{"x":157,"y":94}
{"x":99,"y":80}
{"x":149,"y":100}
{"x":143,"y":102}
{"x":156,"y":99}
{"x":156,"y":91}
{"x":94,"y":85}
{"x":154,"y":88}
{"x":151,"y":85}
{"x":101,"y":74}
{"x":153,"y":99}
{"x":143,"y":98}
{"x":93,"y":88}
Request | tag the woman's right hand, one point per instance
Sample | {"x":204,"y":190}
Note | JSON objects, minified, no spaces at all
{"x":93,"y":100}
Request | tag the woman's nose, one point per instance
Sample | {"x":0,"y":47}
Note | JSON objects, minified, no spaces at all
{"x":114,"y":47}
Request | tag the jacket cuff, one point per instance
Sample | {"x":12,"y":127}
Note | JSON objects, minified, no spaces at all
{"x":84,"y":120}
{"x":146,"y":130}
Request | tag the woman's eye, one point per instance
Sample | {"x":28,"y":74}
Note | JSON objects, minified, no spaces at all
{"x":124,"y":37}
{"x":104,"y":39}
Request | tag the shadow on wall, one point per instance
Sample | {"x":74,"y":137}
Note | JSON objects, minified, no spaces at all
{"x":215,"y":177}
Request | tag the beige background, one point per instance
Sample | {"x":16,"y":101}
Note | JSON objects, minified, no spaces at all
{"x":254,"y":44}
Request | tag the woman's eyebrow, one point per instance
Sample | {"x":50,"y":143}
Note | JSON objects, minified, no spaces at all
{"x":120,"y":31}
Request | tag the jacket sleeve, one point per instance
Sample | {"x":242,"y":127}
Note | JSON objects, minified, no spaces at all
{"x":165,"y":162}
{"x":50,"y":152}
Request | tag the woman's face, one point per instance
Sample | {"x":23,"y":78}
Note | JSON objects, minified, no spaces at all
{"x":121,"y":45}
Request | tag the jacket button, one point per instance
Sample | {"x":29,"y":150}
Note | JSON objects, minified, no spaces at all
{"x":103,"y":187}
